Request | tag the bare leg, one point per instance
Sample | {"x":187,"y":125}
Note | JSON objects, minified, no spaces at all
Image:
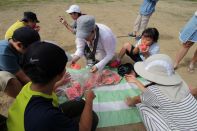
{"x":126,"y":47}
{"x":13,"y":87}
{"x":182,"y":52}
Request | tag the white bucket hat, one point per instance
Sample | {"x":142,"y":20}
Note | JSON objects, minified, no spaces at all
{"x":73,"y":8}
{"x":159,"y":69}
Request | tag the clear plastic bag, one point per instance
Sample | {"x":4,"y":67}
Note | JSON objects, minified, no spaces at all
{"x":75,"y":88}
{"x":84,"y":80}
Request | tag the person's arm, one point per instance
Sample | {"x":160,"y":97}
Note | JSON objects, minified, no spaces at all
{"x":193,"y":91}
{"x":22,"y":77}
{"x":80,"y":45}
{"x":132,"y":79}
{"x":136,"y":50}
{"x":109,"y":45}
{"x":65,"y":79}
{"x":65,"y":23}
{"x":10,"y":64}
{"x":85,"y":123}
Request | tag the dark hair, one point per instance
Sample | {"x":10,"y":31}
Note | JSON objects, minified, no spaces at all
{"x":43,"y":61}
{"x":152,"y":33}
{"x":26,"y":36}
{"x":30,"y":16}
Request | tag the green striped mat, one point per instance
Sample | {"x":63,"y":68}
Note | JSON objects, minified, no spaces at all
{"x":109,"y":103}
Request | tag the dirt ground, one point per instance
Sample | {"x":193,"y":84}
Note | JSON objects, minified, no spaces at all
{"x":119,"y":15}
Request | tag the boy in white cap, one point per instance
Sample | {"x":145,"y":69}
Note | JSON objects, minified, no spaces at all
{"x":96,"y":41}
{"x":75,"y":13}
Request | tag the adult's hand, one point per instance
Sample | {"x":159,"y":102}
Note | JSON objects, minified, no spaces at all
{"x":93,"y":69}
{"x":75,"y":59}
{"x":131,"y":78}
{"x":63,"y":21}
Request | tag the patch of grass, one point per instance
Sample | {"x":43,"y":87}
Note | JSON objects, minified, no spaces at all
{"x":191,"y":0}
{"x":15,"y":2}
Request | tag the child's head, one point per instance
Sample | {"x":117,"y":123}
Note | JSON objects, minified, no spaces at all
{"x":30,"y":18}
{"x":23,"y":37}
{"x":149,"y":36}
{"x":127,"y":69}
{"x":43,"y":61}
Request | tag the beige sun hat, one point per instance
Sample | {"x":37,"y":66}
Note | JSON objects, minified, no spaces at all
{"x":159,"y":69}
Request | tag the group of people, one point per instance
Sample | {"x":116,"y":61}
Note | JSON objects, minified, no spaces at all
{"x":30,"y":70}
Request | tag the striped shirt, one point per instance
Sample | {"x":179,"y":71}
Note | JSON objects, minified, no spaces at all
{"x":166,"y":114}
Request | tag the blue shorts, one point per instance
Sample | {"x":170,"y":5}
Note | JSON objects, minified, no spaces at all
{"x":189,"y":32}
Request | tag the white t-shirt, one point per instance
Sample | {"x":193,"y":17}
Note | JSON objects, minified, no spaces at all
{"x":154,"y":49}
{"x":105,"y":47}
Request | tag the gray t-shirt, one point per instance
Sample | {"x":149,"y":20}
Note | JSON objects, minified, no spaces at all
{"x":74,"y":26}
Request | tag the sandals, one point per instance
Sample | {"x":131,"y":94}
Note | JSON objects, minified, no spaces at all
{"x":132,"y":34}
{"x":191,"y":68}
{"x":115,"y":64}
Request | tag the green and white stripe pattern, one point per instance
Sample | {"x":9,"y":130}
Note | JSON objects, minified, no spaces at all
{"x":109,"y":103}
{"x":110,"y":106}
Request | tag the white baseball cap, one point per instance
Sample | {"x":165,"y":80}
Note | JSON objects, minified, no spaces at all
{"x":73,"y":8}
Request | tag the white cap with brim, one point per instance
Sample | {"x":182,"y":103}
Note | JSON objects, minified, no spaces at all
{"x":158,"y":69}
{"x":73,"y":8}
{"x":85,"y":25}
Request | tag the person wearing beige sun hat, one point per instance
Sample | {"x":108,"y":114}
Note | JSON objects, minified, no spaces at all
{"x":162,"y":103}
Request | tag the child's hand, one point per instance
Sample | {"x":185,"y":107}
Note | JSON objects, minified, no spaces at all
{"x":89,"y":96}
{"x":37,"y":28}
{"x":129,"y":101}
{"x":64,"y":80}
{"x":66,"y":77}
{"x":131,"y":78}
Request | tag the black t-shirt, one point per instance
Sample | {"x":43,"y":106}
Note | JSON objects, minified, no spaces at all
{"x":41,"y":115}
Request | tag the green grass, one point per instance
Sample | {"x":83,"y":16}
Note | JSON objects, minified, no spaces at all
{"x":18,"y":2}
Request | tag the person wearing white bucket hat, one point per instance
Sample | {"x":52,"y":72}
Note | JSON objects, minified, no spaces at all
{"x":75,"y":13}
{"x":167,"y":103}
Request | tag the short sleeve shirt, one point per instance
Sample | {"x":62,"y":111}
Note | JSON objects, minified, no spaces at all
{"x":41,"y":115}
{"x":10,"y":59}
{"x":12,"y":28}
